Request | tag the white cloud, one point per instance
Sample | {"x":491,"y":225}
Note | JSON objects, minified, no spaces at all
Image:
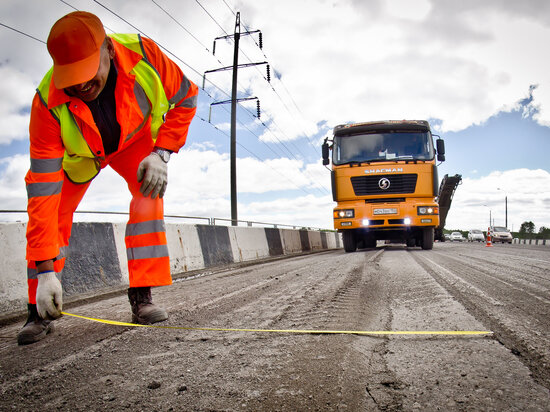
{"x":17,"y":90}
{"x":364,"y":61}
{"x":13,"y":195}
{"x":528,"y":193}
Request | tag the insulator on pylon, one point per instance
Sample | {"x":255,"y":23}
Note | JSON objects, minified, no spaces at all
{"x":268,"y":73}
{"x":258,"y":108}
{"x":261,"y":41}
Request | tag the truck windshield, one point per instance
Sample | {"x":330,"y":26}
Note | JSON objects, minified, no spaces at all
{"x":382,"y":146}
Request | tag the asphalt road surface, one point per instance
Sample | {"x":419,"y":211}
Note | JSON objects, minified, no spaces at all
{"x":505,"y":289}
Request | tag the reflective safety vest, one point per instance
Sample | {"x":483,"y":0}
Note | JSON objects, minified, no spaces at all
{"x":79,"y":162}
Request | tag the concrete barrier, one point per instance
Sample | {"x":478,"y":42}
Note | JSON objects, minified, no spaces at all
{"x":97,"y":262}
{"x":536,"y":242}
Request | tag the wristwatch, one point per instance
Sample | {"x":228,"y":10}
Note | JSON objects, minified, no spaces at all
{"x":163,"y":153}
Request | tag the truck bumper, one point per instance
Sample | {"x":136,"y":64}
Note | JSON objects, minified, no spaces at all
{"x":385,"y":216}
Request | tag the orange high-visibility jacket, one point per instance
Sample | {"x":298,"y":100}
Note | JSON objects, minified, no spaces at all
{"x":45,"y":178}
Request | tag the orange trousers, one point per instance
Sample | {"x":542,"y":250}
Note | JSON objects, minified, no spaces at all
{"x":146,"y":246}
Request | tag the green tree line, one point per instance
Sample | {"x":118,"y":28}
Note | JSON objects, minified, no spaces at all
{"x":527,"y":231}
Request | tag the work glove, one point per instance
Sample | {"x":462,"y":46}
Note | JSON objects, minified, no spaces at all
{"x":49,"y":296}
{"x":153,"y":174}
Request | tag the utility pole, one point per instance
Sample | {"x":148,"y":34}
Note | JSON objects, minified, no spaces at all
{"x":505,"y":207}
{"x":233,"y":138}
{"x":233,"y":146}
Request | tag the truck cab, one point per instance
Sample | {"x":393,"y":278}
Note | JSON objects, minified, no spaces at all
{"x":385,"y":182}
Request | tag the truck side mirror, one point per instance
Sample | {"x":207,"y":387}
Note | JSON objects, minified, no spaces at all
{"x":440,"y":145}
{"x":325,"y":153}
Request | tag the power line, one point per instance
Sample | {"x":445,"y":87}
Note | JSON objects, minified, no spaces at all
{"x":142,"y":32}
{"x":230,"y":9}
{"x":258,"y":158}
{"x":316,"y":150}
{"x":74,"y":8}
{"x":236,"y":38}
{"x":136,"y":28}
{"x":181,"y":25}
{"x":263,"y":124}
{"x":215,"y":21}
{"x":20,"y":32}
{"x":288,"y":93}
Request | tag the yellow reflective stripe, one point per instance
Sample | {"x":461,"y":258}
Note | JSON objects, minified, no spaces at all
{"x":131,"y":41}
{"x":43,"y":90}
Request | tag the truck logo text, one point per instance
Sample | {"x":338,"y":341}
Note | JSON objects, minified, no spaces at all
{"x":388,"y":170}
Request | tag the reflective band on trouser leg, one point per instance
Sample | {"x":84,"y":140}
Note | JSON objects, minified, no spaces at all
{"x":146,"y":246}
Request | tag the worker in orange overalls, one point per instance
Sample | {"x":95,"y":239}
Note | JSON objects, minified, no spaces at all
{"x":108,"y":100}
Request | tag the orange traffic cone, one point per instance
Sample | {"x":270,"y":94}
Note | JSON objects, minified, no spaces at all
{"x":489,"y":239}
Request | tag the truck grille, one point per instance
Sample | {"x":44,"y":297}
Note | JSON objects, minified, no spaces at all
{"x":369,"y":185}
{"x":386,"y":200}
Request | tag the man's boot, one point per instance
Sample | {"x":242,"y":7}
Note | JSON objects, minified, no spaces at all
{"x":35,"y":329}
{"x":143,"y":309}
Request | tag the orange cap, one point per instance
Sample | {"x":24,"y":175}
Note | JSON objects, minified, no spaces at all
{"x":75,"y":43}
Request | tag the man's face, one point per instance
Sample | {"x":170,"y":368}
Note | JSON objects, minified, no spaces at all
{"x":89,"y":90}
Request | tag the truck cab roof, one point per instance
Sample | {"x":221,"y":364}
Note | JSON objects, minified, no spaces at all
{"x":382,"y":126}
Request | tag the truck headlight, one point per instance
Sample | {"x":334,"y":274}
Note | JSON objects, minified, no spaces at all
{"x":407,"y":220}
{"x":427,"y":210}
{"x":365,"y":222}
{"x":344,"y":213}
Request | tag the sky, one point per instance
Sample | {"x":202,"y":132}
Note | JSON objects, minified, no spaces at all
{"x":477,"y":70}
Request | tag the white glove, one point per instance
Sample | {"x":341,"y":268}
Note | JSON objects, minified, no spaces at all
{"x":154,"y":173}
{"x":49,"y":296}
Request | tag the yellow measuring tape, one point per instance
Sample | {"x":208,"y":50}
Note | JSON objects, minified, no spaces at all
{"x":300,"y":331}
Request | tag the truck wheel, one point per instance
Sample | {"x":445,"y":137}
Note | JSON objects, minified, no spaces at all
{"x":350,"y":243}
{"x":411,"y":242}
{"x":427,"y":238}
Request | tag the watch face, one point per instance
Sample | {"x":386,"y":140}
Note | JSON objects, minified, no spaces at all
{"x":164,"y":154}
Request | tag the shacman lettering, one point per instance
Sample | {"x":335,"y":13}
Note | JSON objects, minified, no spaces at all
{"x":389,"y":170}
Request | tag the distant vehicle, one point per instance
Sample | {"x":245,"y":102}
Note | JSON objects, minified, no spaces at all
{"x":501,"y":234}
{"x":476,"y":235}
{"x":447,"y":236}
{"x":457,"y":237}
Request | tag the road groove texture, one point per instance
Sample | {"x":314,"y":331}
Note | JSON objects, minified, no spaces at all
{"x":91,"y":366}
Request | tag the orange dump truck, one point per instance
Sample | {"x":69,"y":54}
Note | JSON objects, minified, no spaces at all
{"x":385,"y":182}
